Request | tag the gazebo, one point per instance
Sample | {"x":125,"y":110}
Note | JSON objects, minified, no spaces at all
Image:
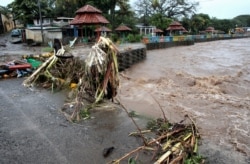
{"x":123,"y":29}
{"x":158,"y":31}
{"x":210,"y":30}
{"x":176,"y":27}
{"x":88,"y":15}
{"x":102,"y":30}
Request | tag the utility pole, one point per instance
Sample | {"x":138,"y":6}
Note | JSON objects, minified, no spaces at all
{"x":41,"y":21}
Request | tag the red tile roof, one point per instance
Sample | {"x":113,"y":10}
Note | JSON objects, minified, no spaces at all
{"x":210,"y":29}
{"x":158,"y":30}
{"x":88,"y":9}
{"x":88,"y":15}
{"x":89,"y":18}
{"x":176,"y":26}
{"x":123,"y":28}
{"x":175,"y":23}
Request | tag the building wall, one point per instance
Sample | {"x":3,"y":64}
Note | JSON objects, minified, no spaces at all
{"x":48,"y":34}
{"x":51,"y":35}
{"x":6,"y":24}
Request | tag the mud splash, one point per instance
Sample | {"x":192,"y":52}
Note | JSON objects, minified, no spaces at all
{"x":210,"y":81}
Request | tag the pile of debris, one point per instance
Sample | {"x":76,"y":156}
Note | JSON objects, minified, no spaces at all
{"x":22,"y":67}
{"x":15,"y":68}
{"x":93,"y":79}
{"x":167,"y":143}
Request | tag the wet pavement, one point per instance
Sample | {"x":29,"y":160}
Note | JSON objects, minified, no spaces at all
{"x":33,"y":130}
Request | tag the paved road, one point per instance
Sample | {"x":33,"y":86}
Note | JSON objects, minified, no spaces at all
{"x":32,"y":130}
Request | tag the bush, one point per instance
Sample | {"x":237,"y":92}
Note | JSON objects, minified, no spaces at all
{"x":130,"y":38}
{"x":134,"y":38}
{"x":138,"y":38}
{"x":114,"y":37}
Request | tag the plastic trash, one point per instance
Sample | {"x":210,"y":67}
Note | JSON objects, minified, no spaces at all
{"x":34,"y":63}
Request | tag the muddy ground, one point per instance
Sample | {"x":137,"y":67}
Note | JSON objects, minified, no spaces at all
{"x":208,"y":81}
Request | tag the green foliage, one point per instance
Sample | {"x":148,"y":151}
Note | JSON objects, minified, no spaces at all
{"x":138,"y":37}
{"x":27,"y":10}
{"x":199,"y":22}
{"x":242,"y":20}
{"x":170,"y":9}
{"x":47,"y":49}
{"x":160,"y":21}
{"x":156,"y":125}
{"x":194,"y":159}
{"x":84,"y":114}
{"x":114,"y":37}
{"x":222,"y":24}
{"x":132,"y":38}
{"x":132,"y":160}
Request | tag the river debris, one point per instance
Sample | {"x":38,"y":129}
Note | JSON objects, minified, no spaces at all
{"x":91,"y":80}
{"x":167,"y":142}
{"x":15,"y":68}
{"x":22,"y":67}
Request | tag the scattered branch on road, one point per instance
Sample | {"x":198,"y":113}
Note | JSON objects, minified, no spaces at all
{"x":173,"y":143}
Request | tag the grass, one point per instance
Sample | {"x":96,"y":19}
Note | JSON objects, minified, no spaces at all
{"x":47,"y":49}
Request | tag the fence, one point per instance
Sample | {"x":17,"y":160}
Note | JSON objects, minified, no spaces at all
{"x":158,"y":42}
{"x":157,"y":39}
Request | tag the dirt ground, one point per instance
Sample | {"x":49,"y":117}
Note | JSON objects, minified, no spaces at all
{"x":208,"y":81}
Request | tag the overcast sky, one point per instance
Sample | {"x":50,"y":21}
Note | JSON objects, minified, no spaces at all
{"x":221,"y":9}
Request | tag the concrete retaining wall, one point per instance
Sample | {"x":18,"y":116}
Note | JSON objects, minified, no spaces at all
{"x":160,"y":45}
{"x":131,"y":56}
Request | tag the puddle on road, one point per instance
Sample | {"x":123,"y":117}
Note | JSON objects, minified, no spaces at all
{"x":209,"y":81}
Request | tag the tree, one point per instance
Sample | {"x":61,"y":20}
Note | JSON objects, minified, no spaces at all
{"x":242,"y":20}
{"x":5,"y":11}
{"x":160,"y":21}
{"x":168,"y":8}
{"x":26,"y":10}
{"x":142,"y":10}
{"x":223,"y":24}
{"x":174,"y":8}
{"x":123,"y":11}
{"x":199,"y":22}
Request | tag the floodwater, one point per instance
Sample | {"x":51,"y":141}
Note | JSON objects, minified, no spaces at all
{"x":208,"y":81}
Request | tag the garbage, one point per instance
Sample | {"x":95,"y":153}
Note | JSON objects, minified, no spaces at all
{"x":15,"y":68}
{"x":34,"y":63}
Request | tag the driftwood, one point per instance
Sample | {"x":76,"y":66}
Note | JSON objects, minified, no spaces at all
{"x":176,"y":144}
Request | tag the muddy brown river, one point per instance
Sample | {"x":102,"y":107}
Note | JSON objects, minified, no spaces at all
{"x":209,"y":81}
